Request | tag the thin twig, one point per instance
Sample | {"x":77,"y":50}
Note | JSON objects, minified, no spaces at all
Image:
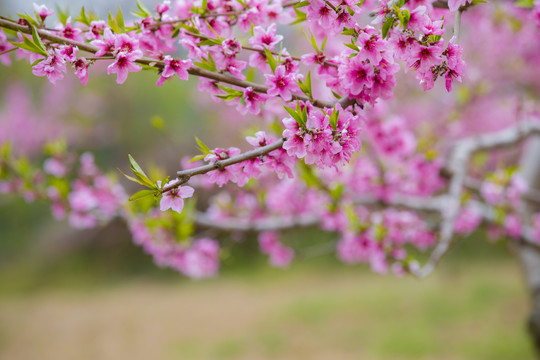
{"x":185,"y":175}
{"x":7,"y":51}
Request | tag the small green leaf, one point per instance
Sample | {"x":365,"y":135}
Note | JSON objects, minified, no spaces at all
{"x":37,"y":41}
{"x":29,"y":45}
{"x":143,"y":9}
{"x":270,"y":59}
{"x":141,"y":194}
{"x":300,"y":17}
{"x":314,"y":43}
{"x":294,"y":115}
{"x":197,"y":158}
{"x":323,"y":44}
{"x":120,"y":19}
{"x":204,"y":5}
{"x":62,"y":15}
{"x":386,"y":26}
{"x":406,"y":17}
{"x":352,"y":46}
{"x":202,"y":146}
{"x":83,"y":18}
{"x":139,"y":173}
{"x":112,"y":24}
{"x":301,"y":4}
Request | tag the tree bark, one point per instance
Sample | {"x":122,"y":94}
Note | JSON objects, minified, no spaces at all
{"x":529,"y":255}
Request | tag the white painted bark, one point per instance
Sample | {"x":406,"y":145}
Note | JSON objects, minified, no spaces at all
{"x":528,"y":255}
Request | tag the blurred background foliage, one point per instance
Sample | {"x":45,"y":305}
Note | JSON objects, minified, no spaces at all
{"x":67,"y":294}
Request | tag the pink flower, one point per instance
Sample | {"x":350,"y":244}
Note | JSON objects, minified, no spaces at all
{"x":124,"y":63}
{"x":512,"y":225}
{"x":281,"y":83}
{"x":454,"y":5}
{"x":68,"y":31}
{"x":52,"y":67}
{"x":81,"y":70}
{"x":96,"y":27}
{"x":201,"y":260}
{"x":4,"y":45}
{"x":173,"y":199}
{"x":82,"y":199}
{"x":355,"y":74}
{"x":42,"y":11}
{"x":230,"y":47}
{"x":265,"y":39}
{"x":82,"y":220}
{"x":467,"y":221}
{"x":174,"y":66}
{"x":164,"y":7}
{"x":68,"y":52}
{"x":128,"y":45}
{"x":105,"y":45}
{"x":320,"y":13}
{"x":252,"y":101}
{"x":280,"y":256}
{"x":424,"y":57}
{"x":492,"y":193}
{"x":54,"y":167}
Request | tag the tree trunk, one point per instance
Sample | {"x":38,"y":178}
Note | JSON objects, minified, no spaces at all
{"x":529,"y":255}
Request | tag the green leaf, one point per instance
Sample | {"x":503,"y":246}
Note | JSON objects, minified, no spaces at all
{"x":204,"y":5}
{"x":334,"y":118}
{"x":120,"y":20}
{"x":352,"y":46}
{"x":349,"y":32}
{"x":270,"y":59}
{"x":202,"y":146}
{"x":306,"y":86}
{"x":112,"y":24}
{"x":301,"y":4}
{"x":323,"y":44}
{"x":294,"y":115}
{"x":300,"y":17}
{"x":386,"y":26}
{"x":210,"y":41}
{"x":143,"y":9}
{"x":37,"y":41}
{"x":139,"y":173}
{"x":197,"y":158}
{"x":141,"y":194}
{"x":314,"y":43}
{"x":29,"y":45}
{"x":83,"y":18}
{"x":406,"y":17}
{"x":62,"y":15}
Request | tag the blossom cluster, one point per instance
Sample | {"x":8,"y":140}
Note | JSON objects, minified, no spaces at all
{"x":328,"y":105}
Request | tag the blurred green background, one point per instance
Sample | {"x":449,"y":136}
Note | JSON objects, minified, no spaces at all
{"x":67,"y":294}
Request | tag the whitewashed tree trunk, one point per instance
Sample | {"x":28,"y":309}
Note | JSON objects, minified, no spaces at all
{"x":529,"y":255}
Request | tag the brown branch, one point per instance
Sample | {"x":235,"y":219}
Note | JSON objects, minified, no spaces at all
{"x":185,"y":175}
{"x":160,"y":64}
{"x":212,"y":15}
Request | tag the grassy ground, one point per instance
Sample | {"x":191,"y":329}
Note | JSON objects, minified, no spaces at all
{"x":472,"y":310}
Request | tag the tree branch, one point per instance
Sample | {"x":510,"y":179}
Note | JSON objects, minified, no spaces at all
{"x":457,"y":167}
{"x":160,"y":64}
{"x":185,"y":175}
